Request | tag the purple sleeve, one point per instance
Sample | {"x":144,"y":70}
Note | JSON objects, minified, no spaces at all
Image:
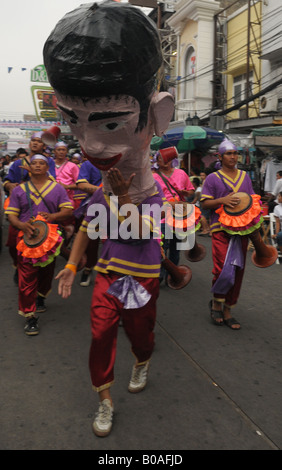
{"x":250,"y":188}
{"x":14,"y":198}
{"x":63,"y":198}
{"x":14,"y":203}
{"x":208,"y":190}
{"x":89,"y":173}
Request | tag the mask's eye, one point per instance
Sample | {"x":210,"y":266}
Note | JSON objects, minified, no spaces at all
{"x":112,"y":126}
{"x":71,"y":120}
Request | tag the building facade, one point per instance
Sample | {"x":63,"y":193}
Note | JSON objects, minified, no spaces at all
{"x":193,"y":23}
{"x":228,"y":63}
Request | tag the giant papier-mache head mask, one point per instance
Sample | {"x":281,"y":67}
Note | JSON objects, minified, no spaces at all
{"x":102,"y":50}
{"x":110,"y":49}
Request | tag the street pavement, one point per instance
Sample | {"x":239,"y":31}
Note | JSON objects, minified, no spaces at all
{"x":209,"y":388}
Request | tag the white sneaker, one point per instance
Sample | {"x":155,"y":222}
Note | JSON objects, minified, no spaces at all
{"x":138,"y":379}
{"x":102,"y":424}
{"x":85,"y":278}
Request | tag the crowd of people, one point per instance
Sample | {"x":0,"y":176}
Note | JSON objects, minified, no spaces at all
{"x":49,"y":184}
{"x":67,"y":184}
{"x":77,"y":179}
{"x":59,"y":188}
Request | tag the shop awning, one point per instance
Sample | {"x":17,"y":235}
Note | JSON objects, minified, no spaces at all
{"x":268,"y":136}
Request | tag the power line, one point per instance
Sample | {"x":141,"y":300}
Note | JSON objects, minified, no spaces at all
{"x":251,"y":98}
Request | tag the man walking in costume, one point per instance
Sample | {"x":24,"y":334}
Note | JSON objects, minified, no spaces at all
{"x":221,"y":188}
{"x":18,"y":173}
{"x":46,"y":198}
{"x":112,"y":103}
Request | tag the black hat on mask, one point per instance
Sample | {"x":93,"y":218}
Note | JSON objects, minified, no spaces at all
{"x":106,"y":49}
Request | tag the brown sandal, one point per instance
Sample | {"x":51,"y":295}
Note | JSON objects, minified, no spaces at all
{"x":216,"y":315}
{"x":232,"y":321}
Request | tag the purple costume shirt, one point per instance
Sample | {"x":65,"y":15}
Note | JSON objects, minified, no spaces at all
{"x":53,"y":193}
{"x":141,"y":258}
{"x":218,"y":185}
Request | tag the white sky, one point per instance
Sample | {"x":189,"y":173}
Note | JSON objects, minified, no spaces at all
{"x":25,"y":26}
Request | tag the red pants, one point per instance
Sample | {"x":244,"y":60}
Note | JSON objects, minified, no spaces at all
{"x":220,"y":242}
{"x":33,"y":280}
{"x":105,"y":315}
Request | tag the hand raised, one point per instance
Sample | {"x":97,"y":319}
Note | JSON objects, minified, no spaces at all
{"x":66,"y":278}
{"x":119,"y":185}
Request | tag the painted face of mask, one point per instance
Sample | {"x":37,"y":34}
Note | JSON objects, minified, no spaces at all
{"x":105,"y":127}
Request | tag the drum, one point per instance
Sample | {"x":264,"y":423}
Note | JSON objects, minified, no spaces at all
{"x":43,"y":246}
{"x":243,"y":206}
{"x":183,"y":217}
{"x":39,"y":235}
{"x":243,"y":219}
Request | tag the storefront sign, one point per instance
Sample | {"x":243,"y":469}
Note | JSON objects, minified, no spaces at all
{"x":39,"y":74}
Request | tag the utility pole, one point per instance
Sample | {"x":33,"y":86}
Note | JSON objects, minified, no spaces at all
{"x":248,"y":58}
{"x":253,"y":47}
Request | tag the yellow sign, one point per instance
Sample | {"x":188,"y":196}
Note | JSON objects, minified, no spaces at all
{"x":44,"y":99}
{"x":46,"y":115}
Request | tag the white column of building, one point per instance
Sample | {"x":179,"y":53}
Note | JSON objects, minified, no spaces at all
{"x":205,"y":59}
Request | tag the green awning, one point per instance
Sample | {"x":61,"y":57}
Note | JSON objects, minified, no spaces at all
{"x":268,"y":137}
{"x":265,"y":131}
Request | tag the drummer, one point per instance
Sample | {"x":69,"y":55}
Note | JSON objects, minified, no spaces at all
{"x":41,"y":196}
{"x":220,"y":188}
{"x":18,"y":173}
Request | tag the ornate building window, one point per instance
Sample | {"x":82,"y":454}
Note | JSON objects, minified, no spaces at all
{"x":190,"y":71}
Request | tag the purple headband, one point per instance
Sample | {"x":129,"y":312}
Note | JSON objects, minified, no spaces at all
{"x":226,"y":145}
{"x":60,"y":144}
{"x":37,"y":135}
{"x":39,"y":156}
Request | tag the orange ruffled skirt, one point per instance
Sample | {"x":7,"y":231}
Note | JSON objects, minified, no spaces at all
{"x":188,"y":224}
{"x":245,"y":223}
{"x":46,"y":252}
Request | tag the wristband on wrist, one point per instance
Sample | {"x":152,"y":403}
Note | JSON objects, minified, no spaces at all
{"x":71,"y":267}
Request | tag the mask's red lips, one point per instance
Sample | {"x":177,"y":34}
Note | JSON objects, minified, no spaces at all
{"x":103,"y":164}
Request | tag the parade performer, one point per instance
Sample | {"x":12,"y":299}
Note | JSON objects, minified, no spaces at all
{"x":220,"y":189}
{"x":77,"y":159}
{"x":278,"y":221}
{"x":66,"y":175}
{"x":66,"y":171}
{"x":110,"y":100}
{"x":18,"y":173}
{"x":44,"y":200}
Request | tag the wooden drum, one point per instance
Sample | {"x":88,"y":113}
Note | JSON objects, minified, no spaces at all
{"x":244,"y":218}
{"x":183,"y":217}
{"x":43,"y":246}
